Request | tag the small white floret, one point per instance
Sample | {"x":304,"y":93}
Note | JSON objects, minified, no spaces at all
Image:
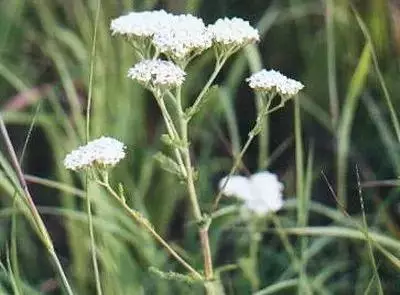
{"x":104,"y":152}
{"x":233,"y":32}
{"x":261,"y":192}
{"x":157,"y":73}
{"x":274,"y":81}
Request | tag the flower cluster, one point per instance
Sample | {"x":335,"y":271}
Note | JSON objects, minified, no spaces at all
{"x":274,"y":81}
{"x":104,"y":152}
{"x":261,"y":192}
{"x":233,"y":32}
{"x":157,"y":73}
{"x":140,"y":24}
{"x":181,"y":37}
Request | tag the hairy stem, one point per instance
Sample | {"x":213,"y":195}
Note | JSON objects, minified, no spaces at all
{"x":203,"y":230}
{"x":183,"y":124}
{"x":171,"y":131}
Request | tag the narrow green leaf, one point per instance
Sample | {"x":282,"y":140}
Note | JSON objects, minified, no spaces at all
{"x":288,"y":284}
{"x":346,"y":233}
{"x":168,"y":164}
{"x":346,"y":120}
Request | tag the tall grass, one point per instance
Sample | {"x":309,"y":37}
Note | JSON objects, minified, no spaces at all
{"x":347,"y":115}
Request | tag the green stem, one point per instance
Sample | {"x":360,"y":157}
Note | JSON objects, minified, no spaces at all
{"x":238,"y":161}
{"x":214,"y":288}
{"x":92,"y":239}
{"x":252,"y":134}
{"x":64,"y":279}
{"x":88,"y":110}
{"x":35,"y":216}
{"x":299,"y":164}
{"x":393,"y":115}
{"x":183,"y":124}
{"x":218,"y":66}
{"x":171,"y":131}
{"x":331,"y":62}
{"x":203,"y":229}
{"x":146,"y":224}
{"x":301,"y":197}
{"x":263,"y":144}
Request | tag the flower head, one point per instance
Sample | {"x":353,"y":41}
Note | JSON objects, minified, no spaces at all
{"x":274,"y":81}
{"x":261,"y":192}
{"x":184,"y":37}
{"x":233,"y":32}
{"x":140,"y":24}
{"x":157,"y":73}
{"x":104,"y":152}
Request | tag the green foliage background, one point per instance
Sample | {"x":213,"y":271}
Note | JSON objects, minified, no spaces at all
{"x":349,"y":115}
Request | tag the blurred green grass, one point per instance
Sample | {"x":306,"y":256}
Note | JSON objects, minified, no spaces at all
{"x":347,"y":119}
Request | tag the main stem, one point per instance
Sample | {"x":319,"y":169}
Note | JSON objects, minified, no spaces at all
{"x":203,"y":229}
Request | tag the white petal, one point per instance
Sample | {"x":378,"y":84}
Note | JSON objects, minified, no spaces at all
{"x":267,"y":190}
{"x":237,"y":186}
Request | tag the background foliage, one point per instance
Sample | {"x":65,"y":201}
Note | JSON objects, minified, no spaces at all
{"x":345,"y":52}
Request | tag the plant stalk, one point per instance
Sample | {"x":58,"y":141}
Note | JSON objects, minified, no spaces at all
{"x":203,"y":230}
{"x":218,"y":66}
{"x":146,"y":224}
{"x":252,"y":134}
{"x":38,"y":222}
{"x":88,"y":110}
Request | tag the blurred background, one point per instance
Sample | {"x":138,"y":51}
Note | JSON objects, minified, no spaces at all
{"x":346,"y":54}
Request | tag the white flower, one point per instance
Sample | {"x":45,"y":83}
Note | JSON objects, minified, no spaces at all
{"x":261,"y":192}
{"x":140,"y":24}
{"x":233,"y":32}
{"x":274,"y":81}
{"x":183,"y":37}
{"x":104,"y":152}
{"x":158,"y":73}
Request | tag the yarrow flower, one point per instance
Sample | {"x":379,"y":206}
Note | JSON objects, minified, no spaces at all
{"x":274,"y":81}
{"x":178,"y":36}
{"x":183,"y":37}
{"x":261,"y":192}
{"x":157,"y":73}
{"x":233,"y":32}
{"x":104,"y":152}
{"x":140,"y":24}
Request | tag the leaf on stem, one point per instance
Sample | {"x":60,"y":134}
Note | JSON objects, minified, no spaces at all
{"x":168,"y":164}
{"x":172,"y":142}
{"x":174,"y":276}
